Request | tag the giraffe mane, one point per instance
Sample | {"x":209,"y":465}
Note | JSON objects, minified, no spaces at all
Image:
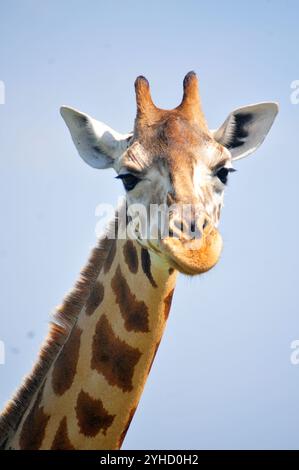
{"x":63,"y":320}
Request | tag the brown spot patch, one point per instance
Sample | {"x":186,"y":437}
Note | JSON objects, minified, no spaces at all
{"x":146,"y":266}
{"x":66,"y":363}
{"x":167,"y":303}
{"x":110,"y":257}
{"x":61,"y":440}
{"x":91,"y":415}
{"x":34,"y":426}
{"x":133,"y":311}
{"x":131,"y":256}
{"x":112,"y":357}
{"x":95,"y":298}
{"x":126,"y":428}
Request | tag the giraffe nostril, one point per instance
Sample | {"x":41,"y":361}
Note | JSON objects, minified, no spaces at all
{"x":192,"y":226}
{"x":205,"y":224}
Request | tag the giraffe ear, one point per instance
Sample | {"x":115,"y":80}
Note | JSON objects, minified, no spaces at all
{"x":245,"y":128}
{"x":98,"y":145}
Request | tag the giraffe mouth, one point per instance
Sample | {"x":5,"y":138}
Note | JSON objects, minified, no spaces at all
{"x":195,"y":256}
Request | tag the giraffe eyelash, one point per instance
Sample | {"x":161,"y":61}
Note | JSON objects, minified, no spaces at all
{"x":222,"y":174}
{"x":129,"y":180}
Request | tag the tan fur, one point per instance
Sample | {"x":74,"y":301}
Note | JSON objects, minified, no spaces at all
{"x":63,"y":321}
{"x":86,"y":385}
{"x":112,"y":391}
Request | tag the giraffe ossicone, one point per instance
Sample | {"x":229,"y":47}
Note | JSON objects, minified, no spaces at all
{"x":87,"y":382}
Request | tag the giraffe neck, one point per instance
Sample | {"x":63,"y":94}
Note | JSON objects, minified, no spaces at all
{"x":90,"y":393}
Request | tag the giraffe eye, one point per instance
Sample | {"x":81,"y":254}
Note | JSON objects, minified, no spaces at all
{"x":222,"y":174}
{"x":129,"y":181}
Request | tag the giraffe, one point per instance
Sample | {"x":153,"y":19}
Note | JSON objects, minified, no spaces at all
{"x":85,"y":387}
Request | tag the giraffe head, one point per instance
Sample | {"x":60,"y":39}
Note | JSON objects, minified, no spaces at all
{"x":173,"y":161}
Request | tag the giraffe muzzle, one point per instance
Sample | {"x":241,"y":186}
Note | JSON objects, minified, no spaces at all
{"x":194,"y":256}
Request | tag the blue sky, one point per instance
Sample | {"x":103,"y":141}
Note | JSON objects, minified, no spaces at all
{"x":223,"y":376}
